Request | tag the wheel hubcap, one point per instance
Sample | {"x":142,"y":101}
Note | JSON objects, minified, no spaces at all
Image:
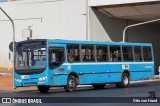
{"x":71,"y":83}
{"x":126,"y":80}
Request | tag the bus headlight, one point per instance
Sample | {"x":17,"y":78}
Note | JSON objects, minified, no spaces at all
{"x":43,"y":78}
{"x":18,"y":80}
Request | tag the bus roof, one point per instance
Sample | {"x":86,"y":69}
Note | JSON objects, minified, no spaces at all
{"x":96,"y":42}
{"x":85,"y":42}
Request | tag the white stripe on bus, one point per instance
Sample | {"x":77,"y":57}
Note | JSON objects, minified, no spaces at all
{"x":101,"y":63}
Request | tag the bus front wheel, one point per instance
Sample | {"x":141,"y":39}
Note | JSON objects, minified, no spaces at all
{"x":43,"y":89}
{"x":124,"y":81}
{"x":98,"y":86}
{"x":71,"y":84}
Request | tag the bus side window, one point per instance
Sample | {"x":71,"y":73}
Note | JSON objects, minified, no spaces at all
{"x":147,"y":53}
{"x":73,"y":54}
{"x":102,"y":53}
{"x":137,"y":53}
{"x":127,"y":53}
{"x":88,"y":53}
{"x":115,"y":53}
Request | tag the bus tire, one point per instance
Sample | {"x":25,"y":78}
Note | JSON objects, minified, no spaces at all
{"x":71,"y":84}
{"x":125,"y":80}
{"x":98,"y":86}
{"x":43,"y":89}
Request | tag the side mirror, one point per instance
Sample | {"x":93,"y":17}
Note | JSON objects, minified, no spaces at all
{"x":11,"y":46}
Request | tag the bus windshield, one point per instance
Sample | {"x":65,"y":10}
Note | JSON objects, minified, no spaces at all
{"x":30,"y":57}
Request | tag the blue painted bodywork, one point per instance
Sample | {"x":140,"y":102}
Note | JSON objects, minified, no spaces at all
{"x":88,"y":72}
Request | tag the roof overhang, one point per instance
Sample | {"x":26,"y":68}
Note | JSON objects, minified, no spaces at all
{"x":141,"y":11}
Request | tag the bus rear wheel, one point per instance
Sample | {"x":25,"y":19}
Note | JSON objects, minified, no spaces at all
{"x":98,"y":86}
{"x":43,"y":89}
{"x":124,"y":81}
{"x":71,"y":84}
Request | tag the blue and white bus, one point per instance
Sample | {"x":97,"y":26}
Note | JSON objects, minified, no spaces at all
{"x":49,"y":63}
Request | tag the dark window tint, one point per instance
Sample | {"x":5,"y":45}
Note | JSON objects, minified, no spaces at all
{"x":137,"y":53}
{"x":115,"y":53}
{"x":147,"y":54}
{"x":56,"y":57}
{"x":88,"y":53}
{"x":127,"y":53}
{"x":73,"y":53}
{"x":102,"y":53}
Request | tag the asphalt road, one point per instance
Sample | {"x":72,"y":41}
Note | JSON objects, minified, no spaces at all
{"x":136,"y":89}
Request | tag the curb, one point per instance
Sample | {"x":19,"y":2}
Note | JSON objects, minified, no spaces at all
{"x":155,"y":77}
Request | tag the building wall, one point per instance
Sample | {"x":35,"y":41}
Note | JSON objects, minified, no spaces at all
{"x":50,"y":19}
{"x":104,"y":28}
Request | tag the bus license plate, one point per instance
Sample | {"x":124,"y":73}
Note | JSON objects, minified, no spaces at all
{"x":25,"y":76}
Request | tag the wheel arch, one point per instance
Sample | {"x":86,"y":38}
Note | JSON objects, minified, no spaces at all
{"x":76,"y":76}
{"x":127,"y":72}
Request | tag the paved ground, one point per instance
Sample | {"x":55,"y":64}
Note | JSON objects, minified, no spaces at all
{"x":136,"y":89}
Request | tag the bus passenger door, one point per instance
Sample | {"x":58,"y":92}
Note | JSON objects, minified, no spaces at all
{"x":56,"y":58}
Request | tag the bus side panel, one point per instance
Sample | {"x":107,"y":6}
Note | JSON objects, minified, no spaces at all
{"x":101,"y":73}
{"x":110,"y":73}
{"x":114,"y":73}
{"x":141,"y":71}
{"x":100,"y":78}
{"x":93,"y":78}
{"x":141,"y":75}
{"x":60,"y":80}
{"x":97,"y":73}
{"x":91,"y":73}
{"x":114,"y":77}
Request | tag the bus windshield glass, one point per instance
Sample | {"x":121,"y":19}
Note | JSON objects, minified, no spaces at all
{"x":30,"y":57}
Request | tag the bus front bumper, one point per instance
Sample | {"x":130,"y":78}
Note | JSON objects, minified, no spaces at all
{"x":30,"y":82}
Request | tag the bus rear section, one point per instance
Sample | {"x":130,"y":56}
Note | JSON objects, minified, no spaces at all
{"x":70,"y":63}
